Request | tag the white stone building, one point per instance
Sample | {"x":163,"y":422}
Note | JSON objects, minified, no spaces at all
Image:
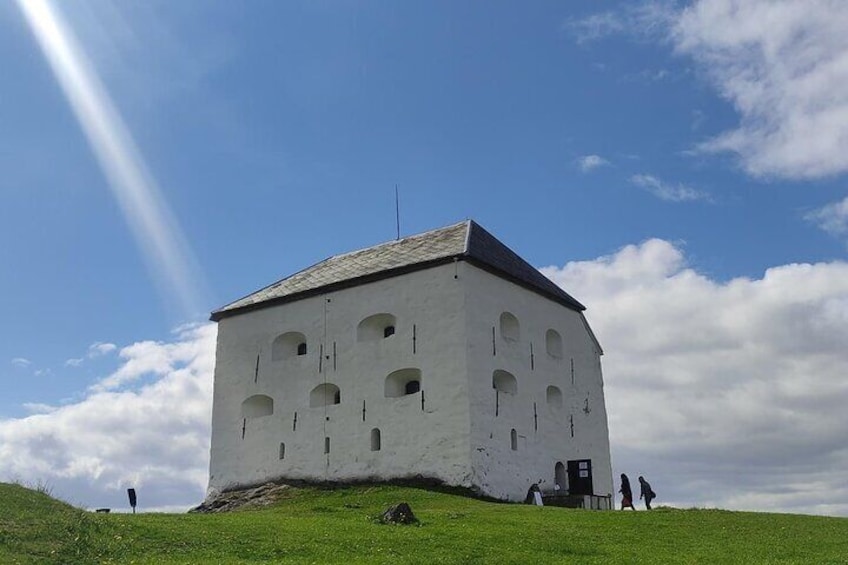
{"x":442,"y":356}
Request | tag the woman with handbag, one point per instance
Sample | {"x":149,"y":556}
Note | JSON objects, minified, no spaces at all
{"x":647,"y":492}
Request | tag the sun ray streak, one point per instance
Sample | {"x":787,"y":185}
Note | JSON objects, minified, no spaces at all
{"x":157,"y":233}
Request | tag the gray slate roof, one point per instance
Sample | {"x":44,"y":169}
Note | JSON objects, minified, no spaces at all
{"x":465,"y":241}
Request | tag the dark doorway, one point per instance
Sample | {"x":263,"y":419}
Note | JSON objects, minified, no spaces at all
{"x":580,"y":477}
{"x":560,"y":478}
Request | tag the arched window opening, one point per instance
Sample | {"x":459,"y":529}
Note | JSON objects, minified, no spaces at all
{"x":560,"y":478}
{"x":325,"y":395}
{"x":257,"y":406}
{"x":375,"y":439}
{"x":282,"y":450}
{"x":376,"y":327}
{"x":412,"y":387}
{"x":503,"y":381}
{"x":510,"y":328}
{"x":554,"y":397}
{"x":400,"y":383}
{"x":513,"y":440}
{"x":553,"y":342}
{"x":288,"y":345}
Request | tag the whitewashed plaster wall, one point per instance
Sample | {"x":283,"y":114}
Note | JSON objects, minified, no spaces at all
{"x":433,"y":441}
{"x":543,"y":431}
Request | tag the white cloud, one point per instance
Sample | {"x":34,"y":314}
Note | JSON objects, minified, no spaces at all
{"x":21,"y":362}
{"x":782,"y":65}
{"x":154,"y":437}
{"x":666,"y":191}
{"x":722,"y":393}
{"x":149,"y":358}
{"x":645,"y":19}
{"x":38,"y":408}
{"x":95,"y":350}
{"x":727,"y":394}
{"x":590,"y":162}
{"x":832,"y":218}
{"x":98,"y":349}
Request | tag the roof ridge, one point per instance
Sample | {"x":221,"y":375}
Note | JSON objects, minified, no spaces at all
{"x":469,"y":225}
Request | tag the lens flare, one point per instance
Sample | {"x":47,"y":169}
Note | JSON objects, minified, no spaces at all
{"x":154,"y":227}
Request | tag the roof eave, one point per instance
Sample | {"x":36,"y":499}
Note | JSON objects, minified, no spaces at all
{"x":566,"y":301}
{"x":219,"y":315}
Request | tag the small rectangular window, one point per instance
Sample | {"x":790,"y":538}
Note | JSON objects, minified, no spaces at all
{"x":326,"y":445}
{"x":282,"y":450}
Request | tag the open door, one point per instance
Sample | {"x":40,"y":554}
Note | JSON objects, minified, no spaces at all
{"x":560,"y":478}
{"x":580,"y":477}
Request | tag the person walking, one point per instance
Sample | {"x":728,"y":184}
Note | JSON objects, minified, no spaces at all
{"x":647,"y":492}
{"x":626,"y":493}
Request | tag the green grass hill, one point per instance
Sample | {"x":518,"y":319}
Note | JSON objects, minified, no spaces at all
{"x":314,"y":525}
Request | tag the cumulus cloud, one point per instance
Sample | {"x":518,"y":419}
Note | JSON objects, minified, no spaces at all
{"x":725,"y":393}
{"x":722,"y":393}
{"x":782,"y":65}
{"x":38,"y":408}
{"x":154,"y":437}
{"x":590,"y":162}
{"x":95,"y":350}
{"x":666,"y":191}
{"x":149,"y":358}
{"x":832,"y":218}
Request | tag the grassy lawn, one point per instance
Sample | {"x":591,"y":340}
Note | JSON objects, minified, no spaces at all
{"x":337,"y":526}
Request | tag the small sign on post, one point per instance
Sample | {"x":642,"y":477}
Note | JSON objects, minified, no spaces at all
{"x":133,"y":500}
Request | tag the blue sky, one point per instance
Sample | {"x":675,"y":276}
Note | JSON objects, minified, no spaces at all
{"x":707,"y":138}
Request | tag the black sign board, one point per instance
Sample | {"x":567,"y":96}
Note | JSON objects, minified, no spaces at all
{"x":131,"y":494}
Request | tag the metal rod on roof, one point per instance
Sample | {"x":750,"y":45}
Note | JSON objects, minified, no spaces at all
{"x":397,"y":211}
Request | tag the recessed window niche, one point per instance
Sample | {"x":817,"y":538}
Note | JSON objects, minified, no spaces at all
{"x":403,"y":382}
{"x":325,"y":394}
{"x":257,"y":406}
{"x":554,"y":397}
{"x":510,"y":328}
{"x":287,"y":345}
{"x":553,"y":343}
{"x":503,"y":381}
{"x":376,"y":327}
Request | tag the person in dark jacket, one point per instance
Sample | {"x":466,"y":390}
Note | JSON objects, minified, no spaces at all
{"x":626,"y":493}
{"x":647,"y":492}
